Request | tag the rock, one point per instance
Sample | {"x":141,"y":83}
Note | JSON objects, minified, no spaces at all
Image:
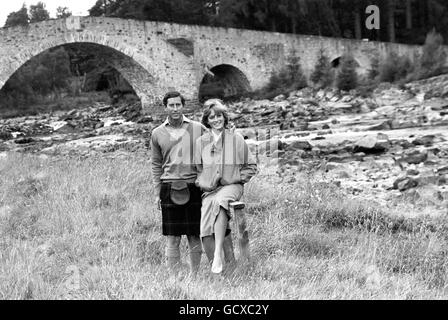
{"x":429,"y":194}
{"x":4,"y":135}
{"x":345,"y":157}
{"x":372,"y":144}
{"x":364,"y":108}
{"x":343,"y":174}
{"x":405,"y":183}
{"x":62,"y":127}
{"x":430,"y":179}
{"x":72,"y":112}
{"x":232,"y":116}
{"x":147,"y":119}
{"x":344,"y":107}
{"x":346,"y":98}
{"x":404,"y":123}
{"x":412,"y":172}
{"x":268,"y":112}
{"x":437,"y":104}
{"x":386,"y":110}
{"x":405,"y":144}
{"x":432,"y":87}
{"x":391,"y":96}
{"x":105,"y":108}
{"x":424,"y":141}
{"x":246,"y":110}
{"x":24,"y":140}
{"x":385,"y":125}
{"x":299,"y":145}
{"x":99,"y":125}
{"x":414,"y":157}
{"x":442,"y":170}
{"x":279,"y":98}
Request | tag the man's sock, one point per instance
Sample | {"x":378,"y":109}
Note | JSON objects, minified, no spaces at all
{"x":228,"y":249}
{"x":172,"y":257}
{"x":195,"y":253}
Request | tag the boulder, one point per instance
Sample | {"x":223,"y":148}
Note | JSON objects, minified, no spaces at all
{"x":442,"y":170}
{"x":5,"y":135}
{"x":24,"y":140}
{"x":414,"y":157}
{"x":428,"y":194}
{"x":146,"y":119}
{"x":62,"y":127}
{"x":412,"y":172}
{"x":345,"y":157}
{"x":384,"y":125}
{"x":427,"y":140}
{"x":299,"y":145}
{"x":372,"y":144}
{"x":279,"y":98}
{"x":405,"y":183}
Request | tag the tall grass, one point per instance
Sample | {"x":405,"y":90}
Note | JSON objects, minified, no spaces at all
{"x":88,"y":229}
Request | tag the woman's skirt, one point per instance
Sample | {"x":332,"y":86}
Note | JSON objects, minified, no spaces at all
{"x":180,"y":220}
{"x":213,"y":201}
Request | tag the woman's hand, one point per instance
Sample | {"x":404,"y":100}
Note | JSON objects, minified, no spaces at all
{"x":157,"y":203}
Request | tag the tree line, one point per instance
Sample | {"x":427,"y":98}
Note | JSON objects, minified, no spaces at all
{"x":36,"y":13}
{"x":406,"y":21}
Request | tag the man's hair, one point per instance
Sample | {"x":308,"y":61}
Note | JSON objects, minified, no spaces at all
{"x":173,"y":94}
{"x":218,"y":106}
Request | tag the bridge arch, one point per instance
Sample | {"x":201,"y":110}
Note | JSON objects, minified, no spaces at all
{"x":223,"y":81}
{"x":148,"y":66}
{"x":140,"y":79}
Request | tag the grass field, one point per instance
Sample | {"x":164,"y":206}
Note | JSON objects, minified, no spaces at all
{"x":88,"y":229}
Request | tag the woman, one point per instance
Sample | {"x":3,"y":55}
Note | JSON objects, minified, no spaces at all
{"x":224,"y":164}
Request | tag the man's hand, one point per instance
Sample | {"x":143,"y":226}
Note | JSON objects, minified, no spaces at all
{"x":157,"y":203}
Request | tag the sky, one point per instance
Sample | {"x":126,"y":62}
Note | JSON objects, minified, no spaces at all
{"x":77,"y":7}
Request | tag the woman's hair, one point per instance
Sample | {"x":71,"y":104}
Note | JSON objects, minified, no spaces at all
{"x":218,"y":106}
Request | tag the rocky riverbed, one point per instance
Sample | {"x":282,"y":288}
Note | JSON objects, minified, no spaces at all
{"x":389,"y":147}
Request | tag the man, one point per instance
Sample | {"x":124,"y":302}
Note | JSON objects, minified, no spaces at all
{"x":174,"y":175}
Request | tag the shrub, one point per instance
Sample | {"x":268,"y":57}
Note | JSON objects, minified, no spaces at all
{"x":394,"y":68}
{"x":433,"y":59}
{"x":294,"y":73}
{"x":347,"y":78}
{"x":322,"y":75}
{"x":289,"y":78}
{"x":374,"y":70}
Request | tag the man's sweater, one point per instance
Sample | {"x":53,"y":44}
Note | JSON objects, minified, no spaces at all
{"x":172,"y":155}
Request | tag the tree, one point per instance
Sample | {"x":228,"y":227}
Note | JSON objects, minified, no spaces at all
{"x":394,"y":68}
{"x":322,"y":74}
{"x":38,"y":12}
{"x":347,"y":78}
{"x":434,"y":56}
{"x":391,"y":20}
{"x":18,"y":18}
{"x":408,"y":14}
{"x":63,"y":12}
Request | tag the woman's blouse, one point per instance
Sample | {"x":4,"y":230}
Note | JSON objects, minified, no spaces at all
{"x":229,"y":158}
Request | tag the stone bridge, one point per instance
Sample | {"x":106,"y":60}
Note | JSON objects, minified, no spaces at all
{"x":155,"y":57}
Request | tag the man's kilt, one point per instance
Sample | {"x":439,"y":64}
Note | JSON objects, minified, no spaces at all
{"x":181,"y":219}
